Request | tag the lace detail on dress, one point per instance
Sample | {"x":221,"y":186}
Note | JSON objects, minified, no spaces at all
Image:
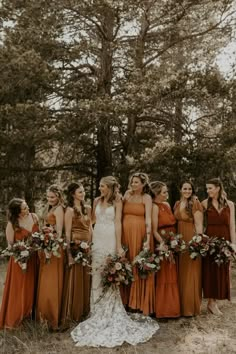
{"x":110,"y":325}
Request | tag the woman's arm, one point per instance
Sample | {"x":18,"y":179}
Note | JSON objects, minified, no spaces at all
{"x":118,"y":216}
{"x":89,"y":213}
{"x":198,"y":221}
{"x":10,"y":233}
{"x":232,"y":222}
{"x":93,"y":216}
{"x":68,"y":227}
{"x":155,"y":211}
{"x":148,"y":221}
{"x":59,"y":214}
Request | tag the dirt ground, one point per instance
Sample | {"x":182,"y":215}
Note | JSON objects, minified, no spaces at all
{"x":205,"y":334}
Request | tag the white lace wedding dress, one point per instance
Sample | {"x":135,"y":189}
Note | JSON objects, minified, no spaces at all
{"x":108,"y":324}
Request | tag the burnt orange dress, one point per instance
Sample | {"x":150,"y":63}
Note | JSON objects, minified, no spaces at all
{"x":141,"y":294}
{"x":189,"y":271}
{"x":167,"y":290}
{"x":76,"y":293}
{"x":19,"y":289}
{"x":216,"y":279}
{"x":50,"y":285}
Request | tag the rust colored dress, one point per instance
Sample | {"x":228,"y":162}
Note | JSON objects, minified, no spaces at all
{"x":50,"y":285}
{"x":76,"y":293}
{"x":141,"y":294}
{"x":189,"y":271}
{"x":216,"y":279}
{"x":167,"y":291}
{"x":19,"y":290}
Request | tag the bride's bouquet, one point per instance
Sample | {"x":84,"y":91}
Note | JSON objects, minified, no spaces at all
{"x":173,"y":245}
{"x":199,"y":246}
{"x":81,"y":252}
{"x":21,"y":251}
{"x":117,"y":270}
{"x":222,"y":251}
{"x":49,"y":242}
{"x":146,"y":263}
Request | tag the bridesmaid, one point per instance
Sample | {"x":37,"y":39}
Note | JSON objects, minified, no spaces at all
{"x":167,"y":292}
{"x":50,"y":284}
{"x":189,"y":214}
{"x":78,"y":227}
{"x":220,"y":219}
{"x":19,"y":290}
{"x":136,"y":236}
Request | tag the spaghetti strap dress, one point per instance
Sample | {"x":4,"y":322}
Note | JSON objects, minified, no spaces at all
{"x":189,"y":271}
{"x":167,"y":291}
{"x":19,"y":290}
{"x":50,"y":285}
{"x":141,"y":294}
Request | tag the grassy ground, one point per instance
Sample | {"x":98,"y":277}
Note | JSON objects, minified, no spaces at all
{"x":205,"y":334}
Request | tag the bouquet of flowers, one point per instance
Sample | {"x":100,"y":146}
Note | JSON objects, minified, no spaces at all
{"x":81,"y":252}
{"x":222,"y":250}
{"x":199,"y":246}
{"x":116,"y":270}
{"x":173,"y":244}
{"x":49,"y":242}
{"x":146,"y":263}
{"x":21,"y":251}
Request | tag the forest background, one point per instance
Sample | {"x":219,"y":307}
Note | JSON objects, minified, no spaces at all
{"x":99,"y":87}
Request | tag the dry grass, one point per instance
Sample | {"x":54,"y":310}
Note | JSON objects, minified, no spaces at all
{"x":206,"y":334}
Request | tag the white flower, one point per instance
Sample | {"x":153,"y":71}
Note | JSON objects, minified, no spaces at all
{"x":193,"y":255}
{"x":173,"y":243}
{"x":118,"y":266}
{"x":24,"y":253}
{"x":23,"y":266}
{"x":84,"y":245}
{"x":198,"y":238}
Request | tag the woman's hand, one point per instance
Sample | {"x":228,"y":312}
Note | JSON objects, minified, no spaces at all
{"x":120,"y":251}
{"x":163,"y":247}
{"x":146,"y":246}
{"x":70,"y":260}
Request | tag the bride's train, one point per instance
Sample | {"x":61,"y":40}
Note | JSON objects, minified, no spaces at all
{"x":109,"y":325}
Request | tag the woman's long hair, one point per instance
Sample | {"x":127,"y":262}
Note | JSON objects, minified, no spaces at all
{"x":54,"y":188}
{"x":113,"y":186}
{"x":191,"y":199}
{"x":222,"y":197}
{"x":70,"y":197}
{"x":156,"y":187}
{"x":14,"y":210}
{"x":145,"y":181}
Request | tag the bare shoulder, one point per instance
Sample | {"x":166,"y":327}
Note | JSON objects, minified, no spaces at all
{"x":155,"y":207}
{"x":147,"y":198}
{"x":127,"y":195}
{"x":9,"y":226}
{"x":230,"y":204}
{"x":69,"y":210}
{"x":59,"y":210}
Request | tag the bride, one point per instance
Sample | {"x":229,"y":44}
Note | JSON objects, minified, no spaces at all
{"x":108,"y":324}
